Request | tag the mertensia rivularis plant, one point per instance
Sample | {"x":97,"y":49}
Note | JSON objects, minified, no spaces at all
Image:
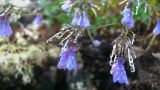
{"x":82,"y":16}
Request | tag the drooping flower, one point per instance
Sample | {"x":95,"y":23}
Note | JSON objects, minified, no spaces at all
{"x":81,"y":19}
{"x":67,"y":5}
{"x":67,"y":60}
{"x":156,"y":30}
{"x":97,"y":43}
{"x":5,"y":28}
{"x":118,"y":72}
{"x":127,"y":19}
{"x":38,"y":20}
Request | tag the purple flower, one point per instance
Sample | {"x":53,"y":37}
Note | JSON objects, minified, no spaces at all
{"x":156,"y":30}
{"x":81,"y":19}
{"x":127,"y":19}
{"x":118,"y":72}
{"x":66,"y":6}
{"x":38,"y":20}
{"x":67,"y":60}
{"x":97,"y":43}
{"x":5,"y":30}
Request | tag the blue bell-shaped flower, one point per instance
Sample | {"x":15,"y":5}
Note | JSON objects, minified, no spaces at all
{"x":38,"y":20}
{"x":156,"y":30}
{"x":118,"y":72}
{"x":127,"y":19}
{"x":66,"y":6}
{"x":81,"y":19}
{"x":5,"y":28}
{"x":68,"y":60}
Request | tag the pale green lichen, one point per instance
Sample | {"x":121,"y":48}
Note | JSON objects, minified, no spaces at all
{"x":15,"y":59}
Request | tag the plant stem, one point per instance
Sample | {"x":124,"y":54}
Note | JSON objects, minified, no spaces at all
{"x":90,"y":36}
{"x":151,"y":42}
{"x":106,"y":25}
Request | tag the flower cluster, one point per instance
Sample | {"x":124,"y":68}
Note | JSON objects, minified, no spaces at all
{"x":80,"y":17}
{"x":69,"y":35}
{"x":122,"y":48}
{"x":121,"y":45}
